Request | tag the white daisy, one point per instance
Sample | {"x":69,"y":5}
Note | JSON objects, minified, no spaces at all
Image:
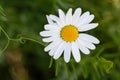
{"x":64,"y":34}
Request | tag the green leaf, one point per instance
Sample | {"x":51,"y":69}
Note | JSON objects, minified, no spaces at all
{"x":2,"y":14}
{"x":105,"y":64}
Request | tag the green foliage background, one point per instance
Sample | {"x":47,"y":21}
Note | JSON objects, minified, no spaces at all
{"x":24,"y":19}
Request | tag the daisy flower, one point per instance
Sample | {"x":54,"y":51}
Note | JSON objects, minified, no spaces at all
{"x":65,"y":34}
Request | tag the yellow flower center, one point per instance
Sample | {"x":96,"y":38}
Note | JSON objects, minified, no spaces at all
{"x":69,"y":33}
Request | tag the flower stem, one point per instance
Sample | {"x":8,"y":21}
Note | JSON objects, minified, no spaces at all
{"x":30,"y":39}
{"x":19,"y":39}
{"x":51,"y":62}
{"x":5,"y":33}
{"x":8,"y":40}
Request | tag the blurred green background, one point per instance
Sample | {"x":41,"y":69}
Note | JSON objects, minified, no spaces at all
{"x":22,"y":54}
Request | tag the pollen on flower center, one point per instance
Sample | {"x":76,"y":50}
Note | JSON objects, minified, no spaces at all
{"x":69,"y":33}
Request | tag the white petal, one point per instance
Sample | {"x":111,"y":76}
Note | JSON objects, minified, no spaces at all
{"x":50,"y":33}
{"x":49,"y":39}
{"x":89,"y":19}
{"x":75,"y":52}
{"x":62,"y":16}
{"x":83,"y":18}
{"x":52,"y":45}
{"x":67,"y":52}
{"x":87,"y":27}
{"x":76,"y":16}
{"x":46,"y":33}
{"x":59,"y":51}
{"x":86,"y":19}
{"x":51,"y":27}
{"x":69,"y":17}
{"x":52,"y":51}
{"x":89,"y":45}
{"x":89,"y":38}
{"x":56,"y":19}
{"x":49,"y":20}
{"x":82,"y":48}
{"x":86,"y":44}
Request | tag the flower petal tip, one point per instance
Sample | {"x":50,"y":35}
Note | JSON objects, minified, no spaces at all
{"x":77,"y":61}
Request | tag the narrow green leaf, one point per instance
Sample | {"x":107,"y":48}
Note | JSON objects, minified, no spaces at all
{"x":105,"y":64}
